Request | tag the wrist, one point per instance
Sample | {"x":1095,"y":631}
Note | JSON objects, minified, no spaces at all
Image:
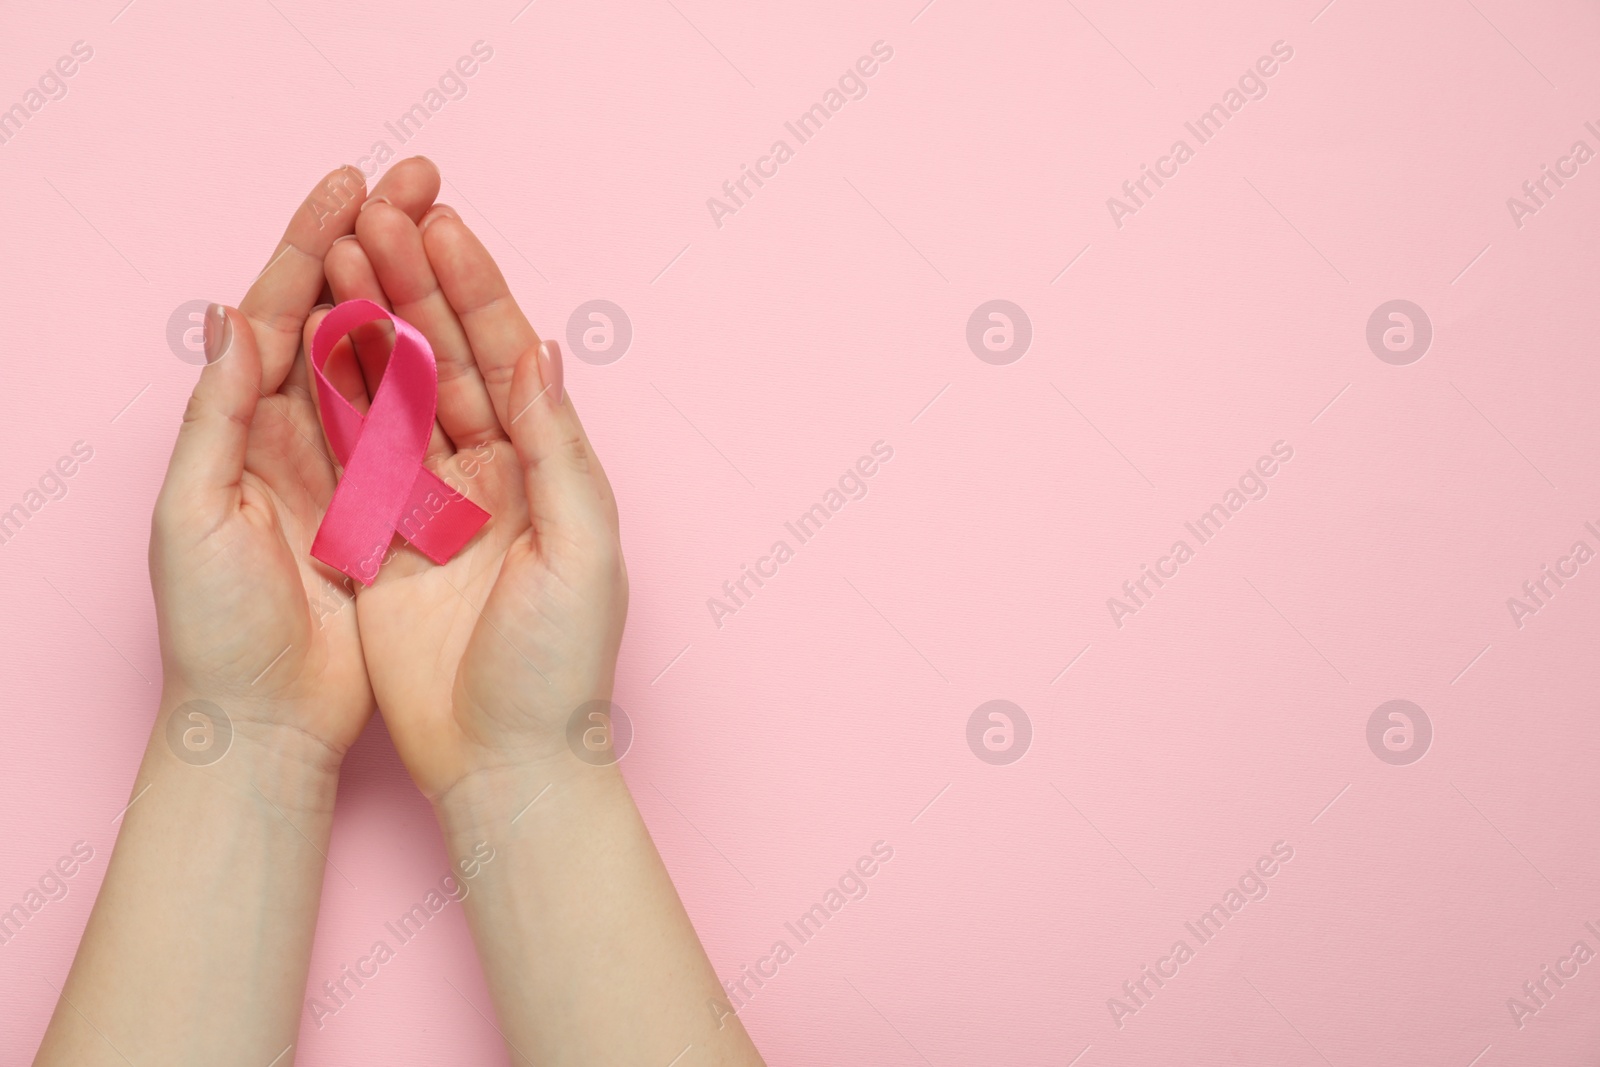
{"x":244,"y":751}
{"x":489,"y":803}
{"x":480,"y":750}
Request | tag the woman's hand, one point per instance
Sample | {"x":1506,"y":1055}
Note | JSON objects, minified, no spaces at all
{"x":200,"y":939}
{"x":248,"y":620}
{"x":479,"y":663}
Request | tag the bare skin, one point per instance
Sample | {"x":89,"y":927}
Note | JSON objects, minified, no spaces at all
{"x":198,"y":946}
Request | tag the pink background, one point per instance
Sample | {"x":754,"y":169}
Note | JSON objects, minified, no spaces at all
{"x":772,"y":351}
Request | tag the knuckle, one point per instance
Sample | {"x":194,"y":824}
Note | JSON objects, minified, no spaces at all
{"x":194,"y":410}
{"x":576,"y":452}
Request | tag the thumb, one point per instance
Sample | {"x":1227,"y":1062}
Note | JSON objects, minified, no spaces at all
{"x":208,"y":459}
{"x":569,"y":498}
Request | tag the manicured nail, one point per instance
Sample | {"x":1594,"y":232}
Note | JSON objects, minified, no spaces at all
{"x":369,"y":201}
{"x":218,"y":332}
{"x":439,"y":211}
{"x":550,"y":369}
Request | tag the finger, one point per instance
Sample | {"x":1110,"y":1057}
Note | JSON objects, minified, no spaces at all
{"x":286,"y":289}
{"x":352,"y":277}
{"x":208,"y":459}
{"x":502,"y":339}
{"x":496,"y":328}
{"x":395,"y":246}
{"x":569,"y":498}
{"x":341,"y":368}
{"x":412,"y":185}
{"x":298,"y":380}
{"x":292,"y":282}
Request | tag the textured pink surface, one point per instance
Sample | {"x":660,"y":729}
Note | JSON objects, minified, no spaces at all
{"x":830,"y":311}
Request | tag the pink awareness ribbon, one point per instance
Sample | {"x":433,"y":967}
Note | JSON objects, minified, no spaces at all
{"x":385,"y":488}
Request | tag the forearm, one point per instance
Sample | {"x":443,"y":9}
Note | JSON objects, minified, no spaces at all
{"x":197,"y":949}
{"x":588,"y":952}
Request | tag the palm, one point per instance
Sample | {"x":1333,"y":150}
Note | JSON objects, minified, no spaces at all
{"x":296,"y":480}
{"x":479,"y":662}
{"x":265,"y":622}
{"x":473,"y":655}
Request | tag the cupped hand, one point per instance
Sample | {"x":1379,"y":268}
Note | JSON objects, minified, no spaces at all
{"x":477,"y":664}
{"x":248,"y":620}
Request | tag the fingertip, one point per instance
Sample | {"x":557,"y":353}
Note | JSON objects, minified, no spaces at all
{"x":350,"y":178}
{"x":399,"y":261}
{"x":452,"y":249}
{"x":314,"y":320}
{"x":411,"y":185}
{"x":380,"y":222}
{"x":425,"y":175}
{"x":552,"y":371}
{"x":231,"y":358}
{"x":230,"y":382}
{"x":336,"y":199}
{"x":217,"y":332}
{"x":435,"y":213}
{"x":346,"y":263}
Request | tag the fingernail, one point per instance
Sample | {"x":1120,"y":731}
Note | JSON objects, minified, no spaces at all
{"x":321,"y":307}
{"x":550,"y":369}
{"x":369,"y":201}
{"x":218,"y":332}
{"x":346,"y":237}
{"x":439,"y":211}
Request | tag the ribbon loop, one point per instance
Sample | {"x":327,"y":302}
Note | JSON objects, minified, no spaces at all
{"x":385,"y":488}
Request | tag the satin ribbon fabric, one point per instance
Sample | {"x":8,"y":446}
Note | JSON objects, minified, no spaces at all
{"x":385,"y":488}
